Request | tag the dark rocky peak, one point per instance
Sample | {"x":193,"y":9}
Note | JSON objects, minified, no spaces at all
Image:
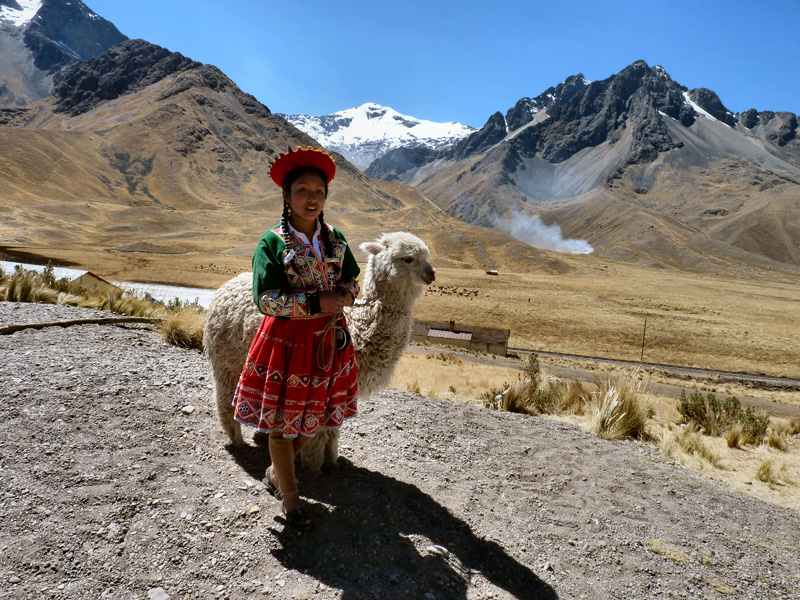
{"x":125,"y":68}
{"x":779,"y":127}
{"x":710,"y":102}
{"x":10,"y":4}
{"x":393,"y":165}
{"x":66,"y":31}
{"x":602,"y":110}
{"x":749,"y":118}
{"x":487,"y":136}
{"x":583,"y":114}
{"x":210,"y":77}
{"x":525,"y":110}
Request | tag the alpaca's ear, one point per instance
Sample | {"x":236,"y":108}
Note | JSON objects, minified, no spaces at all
{"x":372,"y":247}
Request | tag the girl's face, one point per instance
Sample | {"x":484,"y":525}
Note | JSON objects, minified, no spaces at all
{"x":306,"y":198}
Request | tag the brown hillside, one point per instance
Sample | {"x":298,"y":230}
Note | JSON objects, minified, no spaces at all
{"x":170,"y":183}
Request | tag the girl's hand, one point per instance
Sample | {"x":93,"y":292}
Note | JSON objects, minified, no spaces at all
{"x":348,"y":297}
{"x":335,"y":301}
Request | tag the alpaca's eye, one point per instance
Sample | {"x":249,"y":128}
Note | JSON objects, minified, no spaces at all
{"x":408,"y":260}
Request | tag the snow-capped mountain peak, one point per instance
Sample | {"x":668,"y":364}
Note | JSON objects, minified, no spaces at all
{"x":19,"y":12}
{"x":369,"y":131}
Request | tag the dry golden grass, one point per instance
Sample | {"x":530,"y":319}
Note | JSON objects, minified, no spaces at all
{"x":179,"y":325}
{"x":718,"y":322}
{"x":449,"y":377}
{"x":773,"y":472}
{"x":689,"y":442}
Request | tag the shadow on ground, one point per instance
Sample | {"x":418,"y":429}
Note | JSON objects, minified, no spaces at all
{"x":378,"y":537}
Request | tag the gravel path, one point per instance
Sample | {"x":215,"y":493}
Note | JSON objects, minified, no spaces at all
{"x":117,"y":483}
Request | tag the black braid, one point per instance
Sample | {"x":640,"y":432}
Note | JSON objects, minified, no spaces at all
{"x":287,"y":236}
{"x":327,"y":236}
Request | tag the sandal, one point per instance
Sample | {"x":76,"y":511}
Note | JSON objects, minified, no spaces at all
{"x":273,"y":489}
{"x":299,"y":519}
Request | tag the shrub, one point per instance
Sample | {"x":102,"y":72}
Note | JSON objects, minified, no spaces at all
{"x":754,"y":425}
{"x":493,"y":399}
{"x":718,"y":417}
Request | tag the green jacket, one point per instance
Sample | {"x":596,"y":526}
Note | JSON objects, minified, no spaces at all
{"x":280,"y":291}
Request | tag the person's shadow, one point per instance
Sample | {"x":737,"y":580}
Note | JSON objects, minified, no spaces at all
{"x":378,"y":532}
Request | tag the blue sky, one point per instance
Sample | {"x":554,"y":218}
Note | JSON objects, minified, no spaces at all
{"x":464,"y":60}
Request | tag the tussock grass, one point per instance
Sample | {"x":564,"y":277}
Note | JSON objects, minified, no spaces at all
{"x":734,"y":436}
{"x":773,"y":472}
{"x":777,"y":440}
{"x":184,"y":328}
{"x":690,"y":441}
{"x":786,"y":427}
{"x":619,"y":408}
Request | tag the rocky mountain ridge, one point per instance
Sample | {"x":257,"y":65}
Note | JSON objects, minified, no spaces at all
{"x":636,"y":144}
{"x":144,"y":157}
{"x":39,"y":38}
{"x":579,"y":114}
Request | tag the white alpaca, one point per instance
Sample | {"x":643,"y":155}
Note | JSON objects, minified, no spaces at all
{"x":379,"y":322}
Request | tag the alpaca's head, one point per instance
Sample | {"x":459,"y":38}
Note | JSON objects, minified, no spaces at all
{"x":399,"y":260}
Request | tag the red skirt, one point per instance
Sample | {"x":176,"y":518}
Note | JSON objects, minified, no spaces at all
{"x":285,"y":385}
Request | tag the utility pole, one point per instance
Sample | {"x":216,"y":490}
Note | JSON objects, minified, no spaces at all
{"x":641,"y":359}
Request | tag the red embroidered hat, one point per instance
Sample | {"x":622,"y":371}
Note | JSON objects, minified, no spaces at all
{"x":302,"y":157}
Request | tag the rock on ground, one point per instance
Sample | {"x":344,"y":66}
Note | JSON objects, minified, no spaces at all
{"x":117,"y":483}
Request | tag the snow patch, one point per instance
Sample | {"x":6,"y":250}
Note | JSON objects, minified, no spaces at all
{"x":700,"y":111}
{"x":368,"y":131}
{"x":376,"y":122}
{"x":70,"y":50}
{"x":29,"y":8}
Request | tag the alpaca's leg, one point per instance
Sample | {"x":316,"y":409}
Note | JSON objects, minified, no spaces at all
{"x":313,"y":454}
{"x":224,"y":395}
{"x":332,"y":448}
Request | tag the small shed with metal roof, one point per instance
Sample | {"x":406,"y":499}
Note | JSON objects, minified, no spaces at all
{"x":459,"y":335}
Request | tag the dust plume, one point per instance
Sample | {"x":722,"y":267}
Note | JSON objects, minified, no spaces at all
{"x":531,"y":230}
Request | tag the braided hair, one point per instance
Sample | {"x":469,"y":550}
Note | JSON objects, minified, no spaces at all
{"x":327,"y":234}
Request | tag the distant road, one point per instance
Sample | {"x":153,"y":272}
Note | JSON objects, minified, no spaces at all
{"x":763,"y":381}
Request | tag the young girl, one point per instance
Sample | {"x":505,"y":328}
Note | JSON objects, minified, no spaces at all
{"x":300,"y":373}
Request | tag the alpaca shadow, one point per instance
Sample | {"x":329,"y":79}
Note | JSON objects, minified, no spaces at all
{"x":377,"y":531}
{"x":253,"y":460}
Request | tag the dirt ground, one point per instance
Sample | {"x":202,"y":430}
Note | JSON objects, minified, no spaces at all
{"x":117,"y":483}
